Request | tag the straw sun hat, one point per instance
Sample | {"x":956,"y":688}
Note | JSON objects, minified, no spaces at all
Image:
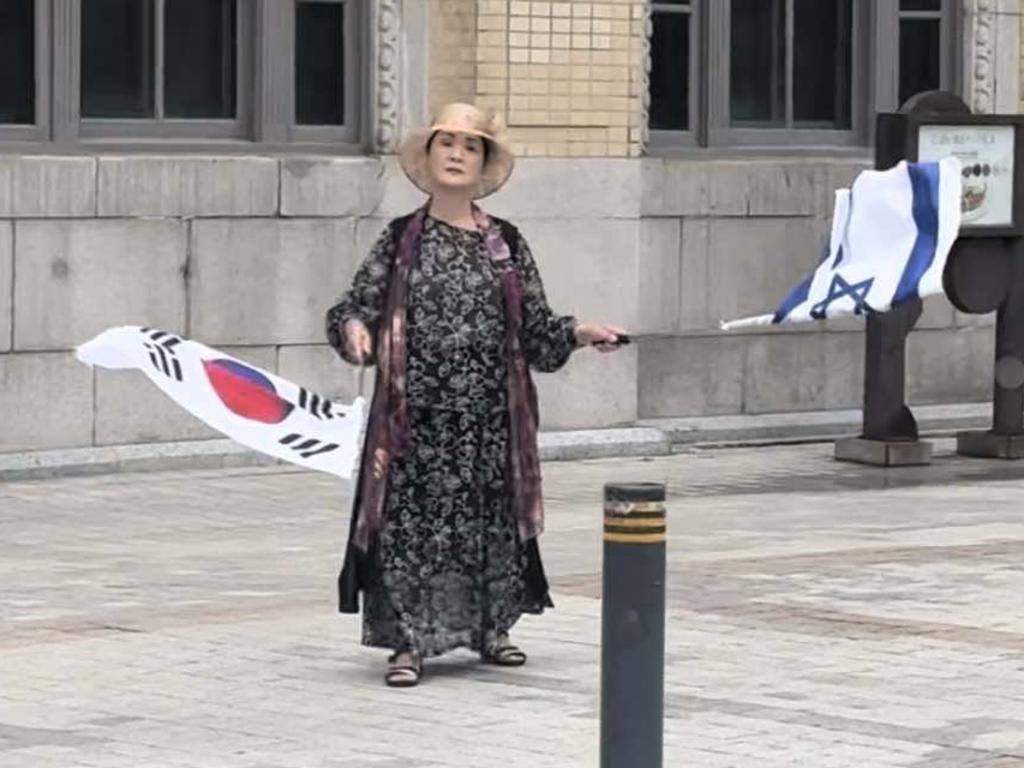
{"x":460,"y":118}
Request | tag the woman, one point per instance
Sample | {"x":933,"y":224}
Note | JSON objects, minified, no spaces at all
{"x":450,"y":307}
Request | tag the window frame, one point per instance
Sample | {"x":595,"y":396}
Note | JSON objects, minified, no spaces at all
{"x":950,"y":18}
{"x":695,"y":135}
{"x":265,"y":95}
{"x":874,"y":83}
{"x":39,"y":129}
{"x":69,"y":123}
{"x":720,"y":131}
{"x":276,"y":35}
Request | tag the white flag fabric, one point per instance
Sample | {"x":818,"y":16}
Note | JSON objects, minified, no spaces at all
{"x":251,"y":406}
{"x":891,"y":236}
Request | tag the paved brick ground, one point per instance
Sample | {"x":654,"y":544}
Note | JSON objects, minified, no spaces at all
{"x":820,"y":615}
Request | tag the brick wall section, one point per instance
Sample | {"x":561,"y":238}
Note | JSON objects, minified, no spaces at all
{"x":453,"y":51}
{"x":568,"y":75}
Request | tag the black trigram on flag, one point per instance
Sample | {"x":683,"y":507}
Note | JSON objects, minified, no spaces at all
{"x":161,"y":352}
{"x":317,"y":406}
{"x":307,"y":447}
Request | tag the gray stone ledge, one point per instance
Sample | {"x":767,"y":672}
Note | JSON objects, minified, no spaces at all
{"x":47,"y":186}
{"x":811,"y":425}
{"x":331,"y":186}
{"x":602,"y":443}
{"x":219,"y":185}
{"x":744,"y":187}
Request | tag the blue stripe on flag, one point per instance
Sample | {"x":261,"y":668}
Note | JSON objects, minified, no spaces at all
{"x":794,"y":300}
{"x":800,"y":293}
{"x":924,"y":181}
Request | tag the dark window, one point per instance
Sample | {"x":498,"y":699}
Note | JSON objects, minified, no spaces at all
{"x":200,"y":41}
{"x":268,"y":71}
{"x":17,"y":62}
{"x":670,"y":66}
{"x":920,"y":63}
{"x":822,"y":63}
{"x":757,"y":88}
{"x":125,"y":42}
{"x":118,"y":58}
{"x":791,"y":63}
{"x":319,"y":63}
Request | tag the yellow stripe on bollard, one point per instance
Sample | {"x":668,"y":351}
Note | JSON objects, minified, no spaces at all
{"x":629,"y":522}
{"x":634,"y":522}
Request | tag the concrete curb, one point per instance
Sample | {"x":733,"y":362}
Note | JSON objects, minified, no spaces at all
{"x":650,"y":437}
{"x":811,"y":425}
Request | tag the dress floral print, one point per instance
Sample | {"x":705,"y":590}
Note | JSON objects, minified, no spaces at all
{"x":451,"y":568}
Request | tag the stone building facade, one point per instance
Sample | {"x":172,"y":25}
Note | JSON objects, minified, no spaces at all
{"x":242,"y":240}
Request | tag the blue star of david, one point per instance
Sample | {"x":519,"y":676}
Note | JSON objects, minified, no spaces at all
{"x":840,"y":288}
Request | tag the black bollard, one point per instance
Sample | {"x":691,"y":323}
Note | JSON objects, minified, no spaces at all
{"x":633,"y":626}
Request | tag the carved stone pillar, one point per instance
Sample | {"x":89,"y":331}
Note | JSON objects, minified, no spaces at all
{"x":398,"y":66}
{"x":992,"y":30}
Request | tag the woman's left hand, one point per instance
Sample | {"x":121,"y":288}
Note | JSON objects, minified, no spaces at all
{"x":604,"y":337}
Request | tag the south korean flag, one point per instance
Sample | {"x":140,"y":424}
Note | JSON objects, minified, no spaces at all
{"x":251,"y":406}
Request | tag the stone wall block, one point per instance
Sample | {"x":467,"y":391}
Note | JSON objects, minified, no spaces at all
{"x":593,"y":390}
{"x":763,"y":189}
{"x":368,"y":231}
{"x":6,"y":286}
{"x":42,"y":186}
{"x":268,"y":281}
{"x":400,"y":195}
{"x":946,"y":366}
{"x":691,"y":376}
{"x":322,"y":186}
{"x":755,"y":263}
{"x":844,"y":370}
{"x":937,"y":312}
{"x":319,"y":368}
{"x":839,"y":174}
{"x":563,"y":188}
{"x":589,"y":267}
{"x":45,"y":402}
{"x":693,"y":275}
{"x":969,"y":320}
{"x":674,"y":187}
{"x":188,"y":186}
{"x":782,"y":189}
{"x":659,"y":275}
{"x":131,"y":409}
{"x":785,"y":372}
{"x":75,"y":278}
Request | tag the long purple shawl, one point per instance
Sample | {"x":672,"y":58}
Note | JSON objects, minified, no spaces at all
{"x":388,"y":428}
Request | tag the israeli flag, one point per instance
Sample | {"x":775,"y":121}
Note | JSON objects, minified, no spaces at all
{"x":891,"y":235}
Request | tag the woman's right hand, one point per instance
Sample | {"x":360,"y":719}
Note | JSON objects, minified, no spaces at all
{"x":357,"y":339}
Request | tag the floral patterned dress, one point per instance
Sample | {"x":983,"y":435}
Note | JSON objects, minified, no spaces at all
{"x":451,"y":568}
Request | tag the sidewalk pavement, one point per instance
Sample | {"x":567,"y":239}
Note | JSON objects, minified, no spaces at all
{"x":819,"y":614}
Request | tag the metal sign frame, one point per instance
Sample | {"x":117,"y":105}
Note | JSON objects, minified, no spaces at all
{"x":904,"y":129}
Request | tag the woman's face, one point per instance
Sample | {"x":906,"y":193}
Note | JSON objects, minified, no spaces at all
{"x":456,"y":161}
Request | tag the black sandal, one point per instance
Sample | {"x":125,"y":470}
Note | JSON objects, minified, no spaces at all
{"x":504,"y":654}
{"x":403,"y":675}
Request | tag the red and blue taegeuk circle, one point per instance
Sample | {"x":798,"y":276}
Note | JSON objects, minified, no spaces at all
{"x":246,"y":392}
